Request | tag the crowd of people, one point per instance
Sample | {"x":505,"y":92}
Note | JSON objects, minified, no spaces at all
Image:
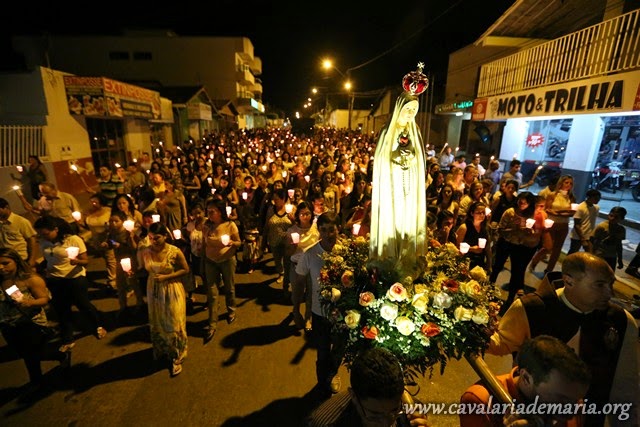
{"x":203,"y":211}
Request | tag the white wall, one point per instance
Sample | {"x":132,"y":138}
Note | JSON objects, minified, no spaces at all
{"x":584,"y":142}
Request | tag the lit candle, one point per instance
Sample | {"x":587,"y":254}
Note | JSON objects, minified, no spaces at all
{"x":229,"y":210}
{"x":482,"y":242}
{"x":129,"y":225}
{"x":307,"y":178}
{"x":245,"y":196}
{"x":225,"y":239}
{"x":295,"y":237}
{"x":126,"y":264}
{"x":177,"y":234}
{"x":464,"y":247}
{"x":284,"y":174}
{"x":487,"y":211}
{"x":356,"y":229}
{"x":74,"y":168}
{"x":530,"y":222}
{"x":210,"y":180}
{"x":72,"y":252}
{"x":288,"y":208}
{"x":291,"y":192}
{"x":17,"y":189}
{"x":213,"y":191}
{"x":76,"y":215}
{"x":19,"y":168}
{"x":548,"y":223}
{"x":155,"y":218}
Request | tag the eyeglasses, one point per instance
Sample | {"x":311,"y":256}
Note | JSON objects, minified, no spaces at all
{"x":371,"y":415}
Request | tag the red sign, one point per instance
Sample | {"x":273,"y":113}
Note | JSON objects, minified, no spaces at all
{"x":535,"y":140}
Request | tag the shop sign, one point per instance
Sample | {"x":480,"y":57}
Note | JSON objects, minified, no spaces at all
{"x":535,"y":139}
{"x":616,"y":93}
{"x":100,"y":96}
{"x":199,"y":111}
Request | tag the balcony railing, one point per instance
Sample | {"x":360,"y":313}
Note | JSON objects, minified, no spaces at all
{"x":612,"y":46}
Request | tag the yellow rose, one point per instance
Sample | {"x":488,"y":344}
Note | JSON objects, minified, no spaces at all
{"x":335,"y":294}
{"x":478,"y":273}
{"x":405,"y":325}
{"x":352,"y":319}
{"x":462,"y":314}
{"x":471,"y":288}
{"x":420,"y":288}
{"x":480,"y":317}
{"x":420,"y":302}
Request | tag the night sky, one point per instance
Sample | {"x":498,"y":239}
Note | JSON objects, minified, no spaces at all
{"x":381,"y":40}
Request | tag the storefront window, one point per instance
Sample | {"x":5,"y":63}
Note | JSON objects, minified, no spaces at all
{"x":107,"y":142}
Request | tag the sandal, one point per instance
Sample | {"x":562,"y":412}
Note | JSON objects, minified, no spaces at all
{"x":176,"y":368}
{"x":64,"y":348}
{"x":101,"y":332}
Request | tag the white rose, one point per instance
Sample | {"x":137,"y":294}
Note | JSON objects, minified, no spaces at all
{"x":405,"y":325}
{"x":480,"y":317}
{"x":420,"y":302}
{"x":397,"y":292}
{"x":352,"y":319}
{"x":388,"y":311}
{"x":335,"y":294}
{"x":462,"y":314}
{"x":471,"y":288}
{"x":442,"y":300}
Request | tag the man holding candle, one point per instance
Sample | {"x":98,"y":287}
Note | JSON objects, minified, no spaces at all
{"x":16,"y":232}
{"x":56,"y":203}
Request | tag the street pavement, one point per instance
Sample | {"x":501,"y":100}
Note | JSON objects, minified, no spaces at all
{"x":258,"y":371}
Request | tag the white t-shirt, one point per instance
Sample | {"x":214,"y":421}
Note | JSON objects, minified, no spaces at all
{"x":586,"y":216}
{"x":55,"y":254}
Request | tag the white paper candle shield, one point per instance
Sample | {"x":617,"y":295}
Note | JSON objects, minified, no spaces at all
{"x":72,"y":252}
{"x":530,"y":222}
{"x":291,"y":193}
{"x":76,"y":215}
{"x":288,"y":208}
{"x":464,"y":247}
{"x":574,"y":206}
{"x":356,"y":229}
{"x":482,"y":242}
{"x":126,"y":264}
{"x":155,"y":218}
{"x":14,"y":293}
{"x":295,"y":237}
{"x":307,"y":178}
{"x":487,"y":211}
{"x":229,"y":210}
{"x":209,"y":180}
{"x":225,"y":239}
{"x":128,"y":225}
{"x":244,"y":195}
{"x":548,"y":223}
{"x":177,"y":234}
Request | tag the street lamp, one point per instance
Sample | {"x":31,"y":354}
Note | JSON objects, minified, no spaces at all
{"x":327,"y":64}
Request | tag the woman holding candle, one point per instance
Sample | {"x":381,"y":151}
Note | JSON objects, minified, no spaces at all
{"x":166,"y":298}
{"x":300,"y":236}
{"x":65,"y":255}
{"x":221,"y":240}
{"x":124,"y":243}
{"x":22,"y":314}
{"x":473,"y":231}
{"x":519,"y":238}
{"x":96,"y":220}
{"x":125,"y":204}
{"x":559,"y":208}
{"x":275,"y":231}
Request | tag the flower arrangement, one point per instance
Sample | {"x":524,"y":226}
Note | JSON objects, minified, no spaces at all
{"x":425,"y":311}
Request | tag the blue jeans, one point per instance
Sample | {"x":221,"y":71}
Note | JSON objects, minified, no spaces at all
{"x":215,"y":275}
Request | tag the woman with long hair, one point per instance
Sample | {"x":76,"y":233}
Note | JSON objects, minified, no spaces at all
{"x":125,"y":204}
{"x":471,"y":231}
{"x":166,"y":300}
{"x":447,"y":201}
{"x":307,"y":236}
{"x":221,"y":240}
{"x":65,"y":255}
{"x":558,"y":207}
{"x":517,"y":242}
{"x":23,"y":299}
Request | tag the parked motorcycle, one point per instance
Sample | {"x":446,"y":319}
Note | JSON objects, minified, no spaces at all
{"x":610,"y":178}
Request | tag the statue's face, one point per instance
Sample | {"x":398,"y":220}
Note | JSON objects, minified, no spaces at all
{"x":408,"y":112}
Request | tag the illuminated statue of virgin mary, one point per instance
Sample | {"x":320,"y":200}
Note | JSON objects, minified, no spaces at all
{"x":398,"y":204}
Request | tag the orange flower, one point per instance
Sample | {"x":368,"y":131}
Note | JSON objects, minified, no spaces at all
{"x":347,"y":279}
{"x":370,"y":332}
{"x":430,"y":329}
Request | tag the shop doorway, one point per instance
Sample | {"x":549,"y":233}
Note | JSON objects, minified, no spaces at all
{"x":106,"y":137}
